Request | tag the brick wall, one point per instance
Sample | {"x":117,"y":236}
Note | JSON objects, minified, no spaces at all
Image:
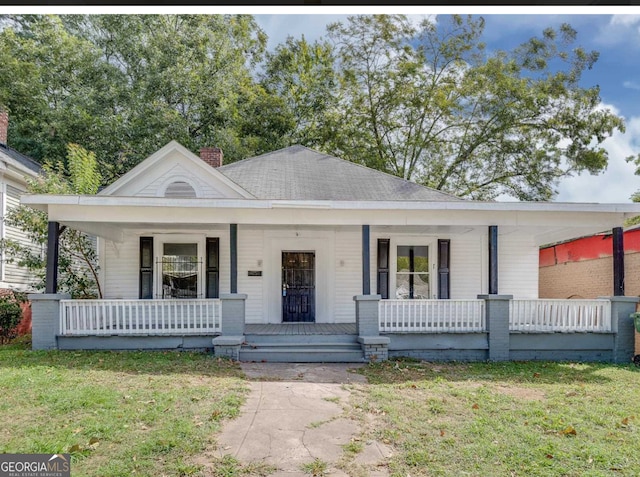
{"x":212,"y":156}
{"x":589,"y":279}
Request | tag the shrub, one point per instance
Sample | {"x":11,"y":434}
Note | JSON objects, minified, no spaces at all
{"x":10,"y":315}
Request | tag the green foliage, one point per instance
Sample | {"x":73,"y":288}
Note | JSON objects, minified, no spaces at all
{"x":425,"y":101}
{"x":317,"y":467}
{"x":83,"y":170}
{"x":125,"y":85}
{"x":515,"y":418}
{"x":428,"y":103}
{"x":303,"y":76}
{"x":54,"y":85}
{"x":10,"y":315}
{"x":77,"y":258}
{"x":635,"y":197}
{"x":132,"y":413}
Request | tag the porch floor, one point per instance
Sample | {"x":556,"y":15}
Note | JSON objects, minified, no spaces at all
{"x":302,"y":329}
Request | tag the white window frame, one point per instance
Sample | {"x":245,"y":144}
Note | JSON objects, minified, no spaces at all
{"x":412,"y":241}
{"x":162,"y":188}
{"x":158,"y":250}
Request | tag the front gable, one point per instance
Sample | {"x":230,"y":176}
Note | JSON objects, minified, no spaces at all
{"x":174,"y":171}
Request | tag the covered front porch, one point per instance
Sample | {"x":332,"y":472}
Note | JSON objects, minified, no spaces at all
{"x":494,"y":327}
{"x":430,"y":280}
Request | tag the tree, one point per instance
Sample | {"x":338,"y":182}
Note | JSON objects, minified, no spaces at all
{"x":426,"y":102}
{"x":303,"y":76}
{"x":125,"y":85}
{"x":77,"y":259}
{"x":635,"y":197}
{"x":55,"y":87}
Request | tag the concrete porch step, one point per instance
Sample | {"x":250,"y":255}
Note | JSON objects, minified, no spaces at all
{"x":259,"y":339}
{"x":302,"y":352}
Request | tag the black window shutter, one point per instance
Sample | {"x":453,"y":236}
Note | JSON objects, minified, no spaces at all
{"x":443,"y":268}
{"x":383,"y":268}
{"x":146,"y":267}
{"x":213,"y":268}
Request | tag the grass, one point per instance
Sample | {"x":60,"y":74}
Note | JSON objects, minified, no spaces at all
{"x":117,"y":413}
{"x":316,"y":424}
{"x":316,"y":467}
{"x":334,"y":399}
{"x":353,"y":447}
{"x":511,"y":419}
{"x":153,"y":413}
{"x":229,"y":466}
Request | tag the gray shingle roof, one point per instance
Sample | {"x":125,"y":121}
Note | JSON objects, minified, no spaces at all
{"x":21,"y":158}
{"x":299,"y":173}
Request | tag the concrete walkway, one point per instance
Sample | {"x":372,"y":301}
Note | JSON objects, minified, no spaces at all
{"x":294,"y":415}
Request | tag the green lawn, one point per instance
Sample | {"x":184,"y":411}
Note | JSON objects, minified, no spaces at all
{"x":512,"y":419}
{"x":118,"y":414}
{"x":154,"y":413}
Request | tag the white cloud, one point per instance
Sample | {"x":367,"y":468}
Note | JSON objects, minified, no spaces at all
{"x":626,"y":20}
{"x":279,"y":27}
{"x":618,"y":182}
{"x":631,"y":85}
{"x":621,"y":29}
{"x":416,"y":20}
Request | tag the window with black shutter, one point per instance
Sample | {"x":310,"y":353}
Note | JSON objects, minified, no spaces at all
{"x":146,"y":268}
{"x":213,"y":268}
{"x":383,"y":268}
{"x":444,"y":247}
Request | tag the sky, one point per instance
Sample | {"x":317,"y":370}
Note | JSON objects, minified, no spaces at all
{"x":614,"y":34}
{"x":612,"y":31}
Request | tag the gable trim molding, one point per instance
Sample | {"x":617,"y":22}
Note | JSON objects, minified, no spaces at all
{"x":151,"y":161}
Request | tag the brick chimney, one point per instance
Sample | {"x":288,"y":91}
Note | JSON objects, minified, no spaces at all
{"x":4,"y":126}
{"x":212,"y":156}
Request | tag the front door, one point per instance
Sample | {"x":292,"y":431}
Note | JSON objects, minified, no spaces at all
{"x":298,"y":286}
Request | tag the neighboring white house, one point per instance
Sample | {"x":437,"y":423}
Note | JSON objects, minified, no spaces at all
{"x":300,"y":233}
{"x":15,"y":169}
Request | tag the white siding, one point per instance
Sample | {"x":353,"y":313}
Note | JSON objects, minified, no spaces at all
{"x":465,"y":266}
{"x":251,"y":257}
{"x":120,"y":272}
{"x":259,"y":248}
{"x":348,"y":273}
{"x":373,"y":259}
{"x":13,"y":274}
{"x":517,"y":262}
{"x":155,"y":182}
{"x":518,"y":257}
{"x":222,"y":231}
{"x":322,"y":242}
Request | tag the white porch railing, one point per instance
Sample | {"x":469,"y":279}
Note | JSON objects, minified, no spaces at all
{"x":139,"y":317}
{"x":560,"y":315}
{"x":431,"y":316}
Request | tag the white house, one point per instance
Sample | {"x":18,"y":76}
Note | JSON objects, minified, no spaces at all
{"x":15,"y":169}
{"x":281,"y":245}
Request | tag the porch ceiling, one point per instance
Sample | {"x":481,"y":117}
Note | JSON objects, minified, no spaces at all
{"x":547,"y":222}
{"x":542,"y":235}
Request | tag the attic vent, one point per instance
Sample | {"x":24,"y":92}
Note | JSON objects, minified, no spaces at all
{"x":179,"y":189}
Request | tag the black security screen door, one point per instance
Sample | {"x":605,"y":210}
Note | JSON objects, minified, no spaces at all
{"x":298,"y":286}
